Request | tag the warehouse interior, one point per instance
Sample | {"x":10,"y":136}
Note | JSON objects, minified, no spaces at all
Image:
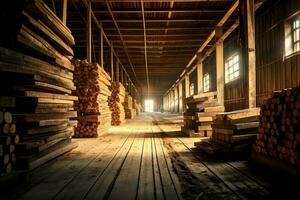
{"x":148,"y":99}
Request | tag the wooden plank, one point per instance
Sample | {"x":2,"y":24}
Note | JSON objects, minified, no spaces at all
{"x":169,"y":190}
{"x":103,"y":186}
{"x":39,"y":117}
{"x":80,"y":185}
{"x":129,"y":173}
{"x":46,"y":95}
{"x":214,"y":109}
{"x":44,"y":13}
{"x":239,"y":114}
{"x":41,"y":28}
{"x":146,"y":178}
{"x":32,"y":162}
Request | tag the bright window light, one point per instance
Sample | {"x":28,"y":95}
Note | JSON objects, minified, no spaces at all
{"x":232,"y":68}
{"x":206,"y":83}
{"x":149,"y":105}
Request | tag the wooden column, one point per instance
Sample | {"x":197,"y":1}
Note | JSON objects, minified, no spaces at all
{"x":122,"y":75}
{"x":187,"y":85}
{"x":180,"y":96}
{"x":89,"y":34}
{"x":63,"y":11}
{"x":248,"y":26}
{"x":200,"y":78}
{"x":117,"y":70}
{"x":220,"y":67}
{"x":101,"y":49}
{"x":112,"y":63}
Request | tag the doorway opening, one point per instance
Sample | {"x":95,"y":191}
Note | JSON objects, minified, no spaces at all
{"x":149,"y":105}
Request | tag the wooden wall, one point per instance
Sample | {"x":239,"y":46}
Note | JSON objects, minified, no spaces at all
{"x":209,"y":66}
{"x":235,"y":92}
{"x":194,"y":79}
{"x":274,"y":70}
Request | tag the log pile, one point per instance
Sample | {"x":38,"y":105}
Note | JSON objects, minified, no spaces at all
{"x":232,"y":132}
{"x":116,"y":101}
{"x":130,"y":112}
{"x":92,"y":88}
{"x":279,"y":128}
{"x":35,"y":68}
{"x":8,"y":141}
{"x":199,"y":116}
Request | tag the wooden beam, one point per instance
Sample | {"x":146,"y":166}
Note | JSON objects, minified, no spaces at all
{"x":117,"y":70}
{"x":112,"y":63}
{"x":161,"y":10}
{"x":229,"y":12}
{"x":89,"y":33}
{"x":101,"y":48}
{"x":63,"y":11}
{"x":119,"y":31}
{"x":187,"y":85}
{"x":220,"y":66}
{"x":248,"y":52}
{"x":200,"y":77}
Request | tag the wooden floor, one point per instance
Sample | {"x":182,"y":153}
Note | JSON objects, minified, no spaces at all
{"x":144,"y":159}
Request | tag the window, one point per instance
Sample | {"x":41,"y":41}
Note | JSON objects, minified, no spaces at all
{"x":192,"y":88}
{"x":206,"y":83}
{"x":292,"y":36}
{"x":232,"y":68}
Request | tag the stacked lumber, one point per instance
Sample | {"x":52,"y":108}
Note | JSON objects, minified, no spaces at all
{"x":199,"y":116}
{"x":92,"y":88}
{"x":8,"y":141}
{"x":233,"y":131}
{"x":116,"y":101}
{"x":279,"y":128}
{"x":237,"y":127}
{"x":130,"y":112}
{"x":36,"y":69}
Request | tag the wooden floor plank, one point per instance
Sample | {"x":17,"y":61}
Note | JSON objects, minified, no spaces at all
{"x":49,"y":187}
{"x":129,"y":173}
{"x":79,"y":186}
{"x":167,"y":183}
{"x":146,"y":181}
{"x":105,"y":181}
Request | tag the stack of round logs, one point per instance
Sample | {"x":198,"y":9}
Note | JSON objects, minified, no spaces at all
{"x":116,"y":101}
{"x":92,"y":88}
{"x":8,"y":141}
{"x":279,"y":131}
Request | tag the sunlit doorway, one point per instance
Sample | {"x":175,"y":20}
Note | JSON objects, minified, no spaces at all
{"x":149,"y":105}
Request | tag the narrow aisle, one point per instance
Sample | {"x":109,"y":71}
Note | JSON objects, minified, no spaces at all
{"x":130,"y":162}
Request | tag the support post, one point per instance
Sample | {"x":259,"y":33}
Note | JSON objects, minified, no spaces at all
{"x":112,"y":63}
{"x":122,"y":76}
{"x":63,"y":11}
{"x":248,"y":25}
{"x":117,"y":70}
{"x":187,"y":85}
{"x":200,"y":77}
{"x":180,"y":96}
{"x":220,"y":67}
{"x":89,"y":33}
{"x":101,"y":49}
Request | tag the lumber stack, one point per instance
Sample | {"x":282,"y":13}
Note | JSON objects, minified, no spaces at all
{"x":278,"y":135}
{"x":199,"y":116}
{"x":232,"y":132}
{"x":130,"y":112}
{"x":138,"y":107}
{"x":92,"y":88}
{"x":36,"y":69}
{"x":8,"y":141}
{"x":116,"y":101}
{"x":236,"y":128}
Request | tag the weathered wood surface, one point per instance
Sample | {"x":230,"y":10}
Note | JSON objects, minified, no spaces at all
{"x":144,"y":158}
